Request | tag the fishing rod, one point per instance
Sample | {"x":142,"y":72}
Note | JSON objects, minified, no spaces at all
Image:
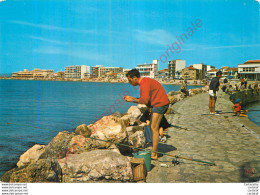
{"x":172,"y":156}
{"x":141,"y":149}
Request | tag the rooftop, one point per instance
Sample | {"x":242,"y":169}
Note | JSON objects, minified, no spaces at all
{"x":252,"y":61}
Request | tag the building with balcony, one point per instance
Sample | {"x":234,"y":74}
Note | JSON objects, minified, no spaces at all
{"x":250,"y":70}
{"x":212,"y":73}
{"x":148,"y":70}
{"x":175,"y":68}
{"x":190,"y":73}
{"x":202,"y":70}
{"x":162,"y":74}
{"x":76,"y":72}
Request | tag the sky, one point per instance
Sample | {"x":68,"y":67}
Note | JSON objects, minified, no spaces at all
{"x":53,"y":34}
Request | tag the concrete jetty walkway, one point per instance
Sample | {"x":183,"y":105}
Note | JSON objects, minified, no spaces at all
{"x":232,"y":142}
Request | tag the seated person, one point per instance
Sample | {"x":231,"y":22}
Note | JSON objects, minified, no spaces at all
{"x":237,"y":109}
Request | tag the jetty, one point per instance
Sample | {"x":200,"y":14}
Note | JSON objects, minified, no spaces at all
{"x":232,"y":142}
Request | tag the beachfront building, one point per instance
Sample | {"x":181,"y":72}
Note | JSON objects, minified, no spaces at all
{"x":109,"y":71}
{"x":76,"y":72}
{"x":202,"y":70}
{"x":34,"y":74}
{"x":95,"y":71}
{"x":175,"y":68}
{"x":212,"y":73}
{"x":148,"y":70}
{"x":190,"y":73}
{"x":229,"y":73}
{"x":162,"y":74}
{"x":250,"y":70}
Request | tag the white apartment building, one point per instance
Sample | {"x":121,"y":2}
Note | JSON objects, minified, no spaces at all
{"x":77,"y":71}
{"x":250,"y":70}
{"x":148,"y":70}
{"x":209,"y":67}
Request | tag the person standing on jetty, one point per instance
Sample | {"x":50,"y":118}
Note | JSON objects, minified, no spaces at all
{"x":213,"y":88}
{"x":184,"y":88}
{"x":153,"y":95}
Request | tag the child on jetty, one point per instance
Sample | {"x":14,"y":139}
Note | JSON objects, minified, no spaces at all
{"x":237,"y":109}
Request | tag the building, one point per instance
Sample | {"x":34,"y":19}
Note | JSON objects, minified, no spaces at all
{"x":190,"y":73}
{"x":76,"y":72}
{"x":104,"y":71}
{"x":250,"y":70}
{"x":230,"y":73}
{"x":175,"y":68}
{"x":34,"y":74}
{"x":209,"y":67}
{"x":95,"y":71}
{"x":212,"y":73}
{"x":162,"y":74}
{"x":202,"y":70}
{"x":148,"y":70}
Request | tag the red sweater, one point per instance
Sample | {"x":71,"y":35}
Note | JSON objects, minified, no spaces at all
{"x":153,"y":93}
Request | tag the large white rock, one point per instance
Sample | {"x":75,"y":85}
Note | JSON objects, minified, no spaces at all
{"x":97,"y":165}
{"x":137,"y":139}
{"x":31,"y":155}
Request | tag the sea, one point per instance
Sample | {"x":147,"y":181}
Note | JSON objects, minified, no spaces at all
{"x":33,"y":112}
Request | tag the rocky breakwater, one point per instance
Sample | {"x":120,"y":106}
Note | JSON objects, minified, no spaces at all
{"x":247,"y":96}
{"x":176,"y":96}
{"x":81,"y":156}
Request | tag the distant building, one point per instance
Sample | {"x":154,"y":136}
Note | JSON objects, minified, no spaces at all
{"x":228,"y":72}
{"x":209,"y":67}
{"x":103,"y":71}
{"x":190,"y":73}
{"x":34,"y":74}
{"x":212,"y":73}
{"x":95,"y":71}
{"x":250,"y":70}
{"x":175,"y":68}
{"x":148,"y":70}
{"x":76,"y":72}
{"x":202,"y":70}
{"x":162,"y":74}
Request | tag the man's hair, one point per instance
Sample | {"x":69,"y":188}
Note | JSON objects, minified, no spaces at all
{"x":133,"y":72}
{"x":218,"y":73}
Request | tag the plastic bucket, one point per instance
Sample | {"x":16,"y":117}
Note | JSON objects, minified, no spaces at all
{"x":146,"y":155}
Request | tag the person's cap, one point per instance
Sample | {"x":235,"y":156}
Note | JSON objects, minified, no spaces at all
{"x":237,"y":100}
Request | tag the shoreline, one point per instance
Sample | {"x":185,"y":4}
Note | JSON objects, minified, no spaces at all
{"x":178,"y":82}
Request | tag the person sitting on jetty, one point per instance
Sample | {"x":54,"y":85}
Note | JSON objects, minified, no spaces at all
{"x":213,"y":88}
{"x":184,"y":88}
{"x":237,"y":108}
{"x":151,"y":93}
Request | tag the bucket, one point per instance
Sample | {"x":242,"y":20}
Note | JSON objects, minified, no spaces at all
{"x":146,"y":155}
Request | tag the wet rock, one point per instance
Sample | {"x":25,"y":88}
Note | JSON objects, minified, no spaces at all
{"x":44,"y":170}
{"x":83,"y":130}
{"x":57,"y":148}
{"x":31,"y":155}
{"x":97,"y":165}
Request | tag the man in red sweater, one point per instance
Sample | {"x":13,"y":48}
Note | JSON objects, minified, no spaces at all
{"x":153,"y":95}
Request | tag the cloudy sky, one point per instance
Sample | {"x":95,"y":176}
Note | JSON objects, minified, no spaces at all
{"x":58,"y":33}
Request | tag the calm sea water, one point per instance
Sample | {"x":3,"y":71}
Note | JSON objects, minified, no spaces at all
{"x":254,"y":114}
{"x":53,"y":106}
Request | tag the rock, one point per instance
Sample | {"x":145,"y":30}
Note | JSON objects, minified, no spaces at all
{"x":57,"y":148}
{"x":31,"y":155}
{"x":132,"y":129}
{"x":142,"y":107}
{"x":97,"y":165}
{"x":117,"y":114}
{"x":109,"y":128}
{"x":125,"y":119}
{"x":196,"y":91}
{"x":179,"y":97}
{"x":172,"y":93}
{"x":172,"y":99}
{"x":44,"y":170}
{"x":83,"y":130}
{"x":131,"y":109}
{"x":7,"y":175}
{"x":137,"y":139}
{"x":134,"y":116}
